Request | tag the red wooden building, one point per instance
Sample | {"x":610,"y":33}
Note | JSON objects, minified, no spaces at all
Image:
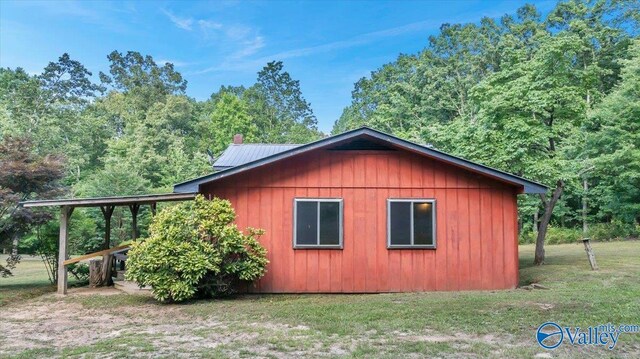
{"x":364,"y":211}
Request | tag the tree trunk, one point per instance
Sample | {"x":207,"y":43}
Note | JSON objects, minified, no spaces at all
{"x":548,"y":204}
{"x":100,"y":271}
{"x":14,"y":245}
{"x":95,"y":273}
{"x":107,"y":260}
{"x":585,"y":208}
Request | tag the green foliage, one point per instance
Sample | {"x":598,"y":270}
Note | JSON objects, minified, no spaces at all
{"x":526,"y":237}
{"x":230,"y":116}
{"x":277,"y":103}
{"x":195,"y":249}
{"x":273,"y":110}
{"x":43,"y":242}
{"x":113,"y":179}
{"x":560,"y":235}
{"x":142,"y":135}
{"x":157,"y":142}
{"x":613,"y":231}
{"x":79,"y":270}
{"x":613,"y":146}
{"x":142,"y":78}
{"x":616,"y":230}
{"x":555,"y":235}
{"x":48,"y":108}
{"x":553,"y":99}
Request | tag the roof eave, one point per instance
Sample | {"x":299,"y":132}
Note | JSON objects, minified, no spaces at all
{"x":526,"y":186}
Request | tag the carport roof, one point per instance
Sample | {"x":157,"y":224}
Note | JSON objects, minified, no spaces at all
{"x":110,"y":201}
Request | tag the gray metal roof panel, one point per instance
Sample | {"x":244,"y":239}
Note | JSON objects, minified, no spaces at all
{"x":236,"y":155}
{"x":365,"y":132}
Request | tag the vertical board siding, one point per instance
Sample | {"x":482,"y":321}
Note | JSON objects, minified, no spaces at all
{"x":476,"y":224}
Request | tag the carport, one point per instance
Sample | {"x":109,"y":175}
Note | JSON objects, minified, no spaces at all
{"x":106,"y":205}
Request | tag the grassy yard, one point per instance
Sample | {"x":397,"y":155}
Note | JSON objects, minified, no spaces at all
{"x":442,"y":324}
{"x":30,"y":280}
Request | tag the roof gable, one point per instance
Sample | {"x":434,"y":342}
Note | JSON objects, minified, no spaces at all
{"x":352,"y":140}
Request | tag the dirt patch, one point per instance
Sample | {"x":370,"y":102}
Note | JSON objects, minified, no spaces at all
{"x":148,"y":329}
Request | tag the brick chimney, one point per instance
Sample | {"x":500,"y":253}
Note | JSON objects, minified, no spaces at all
{"x":237,"y":139}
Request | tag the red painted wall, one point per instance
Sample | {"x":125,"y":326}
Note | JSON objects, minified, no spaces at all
{"x":476,"y":223}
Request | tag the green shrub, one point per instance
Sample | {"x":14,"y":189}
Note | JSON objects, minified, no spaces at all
{"x":194,"y":249}
{"x":555,"y":235}
{"x":560,"y":235}
{"x":527,"y":237}
{"x":79,"y":270}
{"x":613,"y":230}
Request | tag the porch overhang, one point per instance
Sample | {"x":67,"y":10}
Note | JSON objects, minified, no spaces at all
{"x":106,"y":205}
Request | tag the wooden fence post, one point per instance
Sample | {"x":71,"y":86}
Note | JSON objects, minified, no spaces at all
{"x":590,"y":255}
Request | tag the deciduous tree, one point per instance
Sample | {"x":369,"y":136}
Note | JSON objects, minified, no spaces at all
{"x":24,"y":175}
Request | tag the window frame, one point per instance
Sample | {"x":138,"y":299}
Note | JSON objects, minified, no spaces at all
{"x":340,"y":245}
{"x":433,"y":227}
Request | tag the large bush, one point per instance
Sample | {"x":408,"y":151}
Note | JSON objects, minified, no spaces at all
{"x":555,"y":235}
{"x":562,"y":235}
{"x":613,"y":231}
{"x":194,"y":249}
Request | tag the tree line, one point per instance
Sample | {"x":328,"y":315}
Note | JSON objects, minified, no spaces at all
{"x":552,"y":98}
{"x":134,"y":131}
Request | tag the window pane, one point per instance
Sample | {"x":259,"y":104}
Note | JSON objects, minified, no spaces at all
{"x":330,"y":223}
{"x":400,"y":231}
{"x":423,"y":223}
{"x":306,"y":223}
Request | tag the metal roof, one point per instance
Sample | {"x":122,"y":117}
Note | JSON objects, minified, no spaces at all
{"x":111,"y":201}
{"x":372,"y":135}
{"x":239,"y":154}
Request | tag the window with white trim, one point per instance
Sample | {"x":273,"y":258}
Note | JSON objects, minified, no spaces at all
{"x":317,"y":223}
{"x":411,"y":223}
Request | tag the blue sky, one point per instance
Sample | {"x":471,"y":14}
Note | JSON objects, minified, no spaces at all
{"x":327,"y":45}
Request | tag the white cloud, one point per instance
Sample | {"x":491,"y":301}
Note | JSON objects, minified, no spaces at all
{"x":238,"y":32}
{"x":180,"y":22}
{"x":250,"y":47}
{"x":358,"y":40}
{"x":214,"y":31}
{"x":237,"y":41}
{"x":208,"y":24}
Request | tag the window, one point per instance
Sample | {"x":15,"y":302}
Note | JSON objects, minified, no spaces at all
{"x":411,"y":223}
{"x":317,"y":223}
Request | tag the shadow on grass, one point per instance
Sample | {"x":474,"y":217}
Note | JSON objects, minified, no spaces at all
{"x":13,"y":293}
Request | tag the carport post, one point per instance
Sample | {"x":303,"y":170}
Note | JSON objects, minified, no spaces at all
{"x":65,"y":214}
